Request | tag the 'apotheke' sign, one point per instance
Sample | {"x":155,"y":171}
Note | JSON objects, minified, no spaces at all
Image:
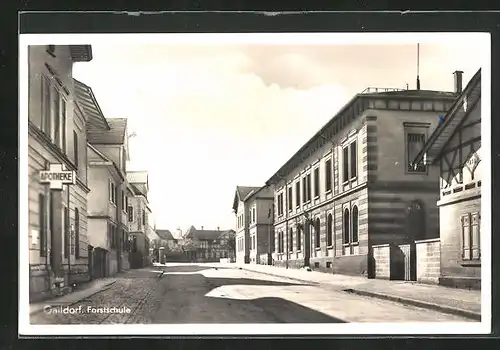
{"x":57,"y":176}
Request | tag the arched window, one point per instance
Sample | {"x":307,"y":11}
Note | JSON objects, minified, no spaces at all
{"x":317,"y":233}
{"x":345,"y":231}
{"x":77,"y":233}
{"x":290,"y":240}
{"x":354,"y":224}
{"x":299,"y":238}
{"x":329,"y":230}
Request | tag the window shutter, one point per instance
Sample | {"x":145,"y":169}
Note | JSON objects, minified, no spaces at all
{"x":466,"y":237}
{"x":475,"y":228}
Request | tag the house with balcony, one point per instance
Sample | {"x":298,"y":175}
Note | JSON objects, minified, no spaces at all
{"x":57,"y":226}
{"x":138,"y":215}
{"x":107,"y":211}
{"x":454,"y":150}
{"x":349,"y":201}
{"x":241,"y":211}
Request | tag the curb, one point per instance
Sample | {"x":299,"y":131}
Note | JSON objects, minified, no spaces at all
{"x":281,"y":276}
{"x":423,"y":304}
{"x":104,"y":287}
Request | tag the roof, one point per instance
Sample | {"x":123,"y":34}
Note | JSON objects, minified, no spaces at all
{"x":104,"y":158}
{"x":439,"y":138}
{"x":114,"y":136}
{"x":255,"y":192}
{"x":165,"y":234}
{"x":348,"y":110}
{"x":86,"y":101}
{"x":206,"y":235}
{"x":241,"y":193}
{"x":81,"y":53}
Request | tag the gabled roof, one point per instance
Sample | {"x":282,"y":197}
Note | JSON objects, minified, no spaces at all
{"x":87,"y":103}
{"x":98,"y":153}
{"x":206,"y":235}
{"x":440,"y":137}
{"x":114,"y":136}
{"x":241,"y":193}
{"x":165,"y":234}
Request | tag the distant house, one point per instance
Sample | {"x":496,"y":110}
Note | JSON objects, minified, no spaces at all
{"x":167,"y":240}
{"x":138,"y":215}
{"x":210,"y":245}
{"x":242,"y":212}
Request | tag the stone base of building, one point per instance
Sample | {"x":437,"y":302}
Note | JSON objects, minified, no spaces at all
{"x":44,"y":285}
{"x":355,"y":265}
{"x":461,"y":282}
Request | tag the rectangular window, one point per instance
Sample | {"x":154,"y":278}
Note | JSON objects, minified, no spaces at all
{"x":42,"y":212}
{"x":414,"y":144}
{"x":328,"y":175}
{"x":290,"y":198}
{"x":345,"y":161}
{"x":130,"y":214}
{"x":316,"y":182}
{"x":75,"y":148}
{"x":308,"y":187}
{"x":353,"y":160}
{"x":46,"y":97}
{"x":471,"y":249}
{"x":297,"y":193}
{"x":55,"y":133}
{"x":63,"y":125}
{"x":253,"y":215}
{"x":66,"y":232}
{"x":280,"y":204}
{"x":111,"y":191}
{"x":77,"y":233}
{"x":143,"y":217}
{"x":124,"y":204}
{"x":304,"y":190}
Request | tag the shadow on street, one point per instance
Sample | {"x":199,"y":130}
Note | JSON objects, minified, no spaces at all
{"x":185,"y":300}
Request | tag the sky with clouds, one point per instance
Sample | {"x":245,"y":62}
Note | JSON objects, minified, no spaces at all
{"x":208,"y":118}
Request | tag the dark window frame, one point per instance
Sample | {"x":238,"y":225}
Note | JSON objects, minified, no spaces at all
{"x":77,"y":233}
{"x":316,"y":183}
{"x":329,"y":230}
{"x":328,"y":175}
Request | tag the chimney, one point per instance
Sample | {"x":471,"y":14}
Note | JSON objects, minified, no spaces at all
{"x":458,"y":81}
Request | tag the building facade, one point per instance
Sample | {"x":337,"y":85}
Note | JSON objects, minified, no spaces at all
{"x":56,"y":138}
{"x":454,"y":149}
{"x":108,"y":200}
{"x":241,"y":211}
{"x":138,"y":219}
{"x":351,"y":187}
{"x":210,"y":245}
{"x":260,"y":226}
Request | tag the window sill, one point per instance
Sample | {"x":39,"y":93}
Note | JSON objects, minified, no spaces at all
{"x":328,"y":192}
{"x":317,"y":248}
{"x":298,"y":251}
{"x":329,"y":246}
{"x":354,"y":244}
{"x":471,"y":263}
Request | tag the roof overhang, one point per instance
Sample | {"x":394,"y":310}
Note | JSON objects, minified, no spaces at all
{"x":88,"y":104}
{"x":455,"y":116}
{"x":81,"y":53}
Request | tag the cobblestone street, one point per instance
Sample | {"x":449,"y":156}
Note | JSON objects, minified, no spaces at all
{"x":194,"y":293}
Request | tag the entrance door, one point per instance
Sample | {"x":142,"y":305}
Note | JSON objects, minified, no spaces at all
{"x":307,"y":243}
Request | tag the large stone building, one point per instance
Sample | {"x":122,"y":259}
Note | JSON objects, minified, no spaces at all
{"x":256,"y":228}
{"x":454,"y":149}
{"x":107,"y":210}
{"x":56,"y":141}
{"x":351,"y":188}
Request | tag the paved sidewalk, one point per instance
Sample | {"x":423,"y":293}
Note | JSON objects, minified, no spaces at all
{"x":450,"y":300}
{"x":71,"y":298}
